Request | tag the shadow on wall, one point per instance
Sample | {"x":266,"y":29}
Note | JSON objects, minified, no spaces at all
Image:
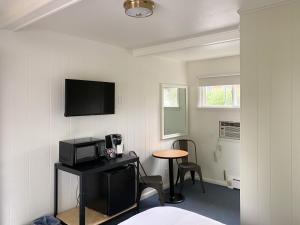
{"x":151,"y":165}
{"x":2,"y":212}
{"x":1,"y":187}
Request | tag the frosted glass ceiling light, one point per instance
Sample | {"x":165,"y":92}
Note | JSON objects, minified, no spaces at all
{"x":139,"y":8}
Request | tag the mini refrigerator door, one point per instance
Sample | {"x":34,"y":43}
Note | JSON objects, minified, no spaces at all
{"x":112,"y":191}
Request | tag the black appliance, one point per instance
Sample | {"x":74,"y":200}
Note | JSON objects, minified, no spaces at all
{"x":112,"y":191}
{"x":84,"y":97}
{"x":114,"y":141}
{"x":76,"y":151}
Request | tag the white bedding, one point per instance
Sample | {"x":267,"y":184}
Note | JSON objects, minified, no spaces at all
{"x":169,"y":216}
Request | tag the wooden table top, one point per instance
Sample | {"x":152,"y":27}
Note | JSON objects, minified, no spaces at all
{"x":170,"y":154}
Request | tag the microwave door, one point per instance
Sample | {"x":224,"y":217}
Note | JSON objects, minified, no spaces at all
{"x":86,"y":153}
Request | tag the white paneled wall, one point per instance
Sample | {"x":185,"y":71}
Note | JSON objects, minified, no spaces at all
{"x":33,"y":66}
{"x":204,"y":128}
{"x":270,"y":80}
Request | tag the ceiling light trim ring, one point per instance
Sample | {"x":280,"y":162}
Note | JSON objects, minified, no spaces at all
{"x":139,"y":8}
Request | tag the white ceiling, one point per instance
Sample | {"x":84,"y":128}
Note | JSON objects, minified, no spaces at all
{"x":12,"y":9}
{"x":105,"y":21}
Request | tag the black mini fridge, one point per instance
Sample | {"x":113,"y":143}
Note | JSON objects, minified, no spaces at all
{"x":111,"y":192}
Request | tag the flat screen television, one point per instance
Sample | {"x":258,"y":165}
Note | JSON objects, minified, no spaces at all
{"x":84,"y":97}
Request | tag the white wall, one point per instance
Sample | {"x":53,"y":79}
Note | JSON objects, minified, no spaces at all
{"x":270,"y":80}
{"x":33,"y":67}
{"x":204,"y":123}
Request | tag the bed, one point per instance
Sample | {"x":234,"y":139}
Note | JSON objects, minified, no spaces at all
{"x":169,"y":216}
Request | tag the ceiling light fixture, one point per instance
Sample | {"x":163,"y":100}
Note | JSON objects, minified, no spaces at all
{"x":139,"y":8}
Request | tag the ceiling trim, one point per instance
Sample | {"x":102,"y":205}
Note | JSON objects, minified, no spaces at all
{"x":43,"y":11}
{"x":204,"y":40}
{"x":267,"y":6}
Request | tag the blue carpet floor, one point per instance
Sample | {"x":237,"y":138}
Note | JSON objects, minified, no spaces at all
{"x":219,"y":203}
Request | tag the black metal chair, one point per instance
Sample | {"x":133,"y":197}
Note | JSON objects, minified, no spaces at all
{"x":146,"y":181}
{"x":185,"y":166}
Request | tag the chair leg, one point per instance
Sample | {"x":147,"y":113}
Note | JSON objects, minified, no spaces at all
{"x":141,"y":188}
{"x":182,"y":173}
{"x":138,"y":199}
{"x":161,"y":195}
{"x":201,"y":178}
{"x":177,"y":179}
{"x":193,"y":176}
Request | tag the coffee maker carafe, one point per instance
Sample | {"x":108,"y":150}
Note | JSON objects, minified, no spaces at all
{"x":114,"y":141}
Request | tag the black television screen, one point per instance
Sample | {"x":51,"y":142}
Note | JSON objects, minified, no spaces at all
{"x":89,"y":98}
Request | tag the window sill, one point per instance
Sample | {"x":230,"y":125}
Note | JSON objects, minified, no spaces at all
{"x":230,"y":140}
{"x":218,"y":107}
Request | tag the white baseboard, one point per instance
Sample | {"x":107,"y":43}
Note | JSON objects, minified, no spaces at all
{"x":147,"y":194}
{"x":151,"y":192}
{"x":209,"y":180}
{"x":213,"y":181}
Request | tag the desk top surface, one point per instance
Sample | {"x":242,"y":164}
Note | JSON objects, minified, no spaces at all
{"x":170,"y":154}
{"x":97,"y":165}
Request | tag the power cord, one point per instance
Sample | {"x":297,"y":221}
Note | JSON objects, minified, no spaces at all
{"x":77,"y":195}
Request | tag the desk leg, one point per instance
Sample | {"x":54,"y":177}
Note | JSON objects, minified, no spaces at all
{"x":55,"y":189}
{"x":82,"y":201}
{"x":173,"y":198}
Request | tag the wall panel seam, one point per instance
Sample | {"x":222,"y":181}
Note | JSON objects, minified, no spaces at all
{"x":292,"y":61}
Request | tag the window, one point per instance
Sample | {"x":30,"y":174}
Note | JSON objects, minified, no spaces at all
{"x":219,"y":96}
{"x":171,"y":97}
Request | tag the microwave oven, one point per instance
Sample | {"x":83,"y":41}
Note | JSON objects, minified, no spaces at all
{"x":76,"y":151}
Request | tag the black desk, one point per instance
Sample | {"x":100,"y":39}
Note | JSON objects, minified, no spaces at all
{"x":82,"y":170}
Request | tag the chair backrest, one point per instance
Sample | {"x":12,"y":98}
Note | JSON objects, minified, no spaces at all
{"x":185,"y":145}
{"x":132,"y":153}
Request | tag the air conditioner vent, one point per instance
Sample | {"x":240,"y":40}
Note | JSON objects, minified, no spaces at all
{"x":229,"y":130}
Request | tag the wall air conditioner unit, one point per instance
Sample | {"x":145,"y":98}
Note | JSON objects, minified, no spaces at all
{"x":229,"y":130}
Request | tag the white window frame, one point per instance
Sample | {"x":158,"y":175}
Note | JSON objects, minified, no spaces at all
{"x":203,"y":97}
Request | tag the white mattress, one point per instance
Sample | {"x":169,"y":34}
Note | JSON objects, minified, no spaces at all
{"x":169,"y":216}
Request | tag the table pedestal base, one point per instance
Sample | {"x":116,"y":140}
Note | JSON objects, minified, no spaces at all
{"x":177,"y":198}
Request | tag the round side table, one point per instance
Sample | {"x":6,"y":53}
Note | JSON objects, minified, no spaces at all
{"x":171,"y":154}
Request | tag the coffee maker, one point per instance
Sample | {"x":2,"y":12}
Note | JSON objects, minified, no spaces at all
{"x":114,"y":141}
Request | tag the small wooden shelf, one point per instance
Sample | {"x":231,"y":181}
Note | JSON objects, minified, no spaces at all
{"x":92,"y":217}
